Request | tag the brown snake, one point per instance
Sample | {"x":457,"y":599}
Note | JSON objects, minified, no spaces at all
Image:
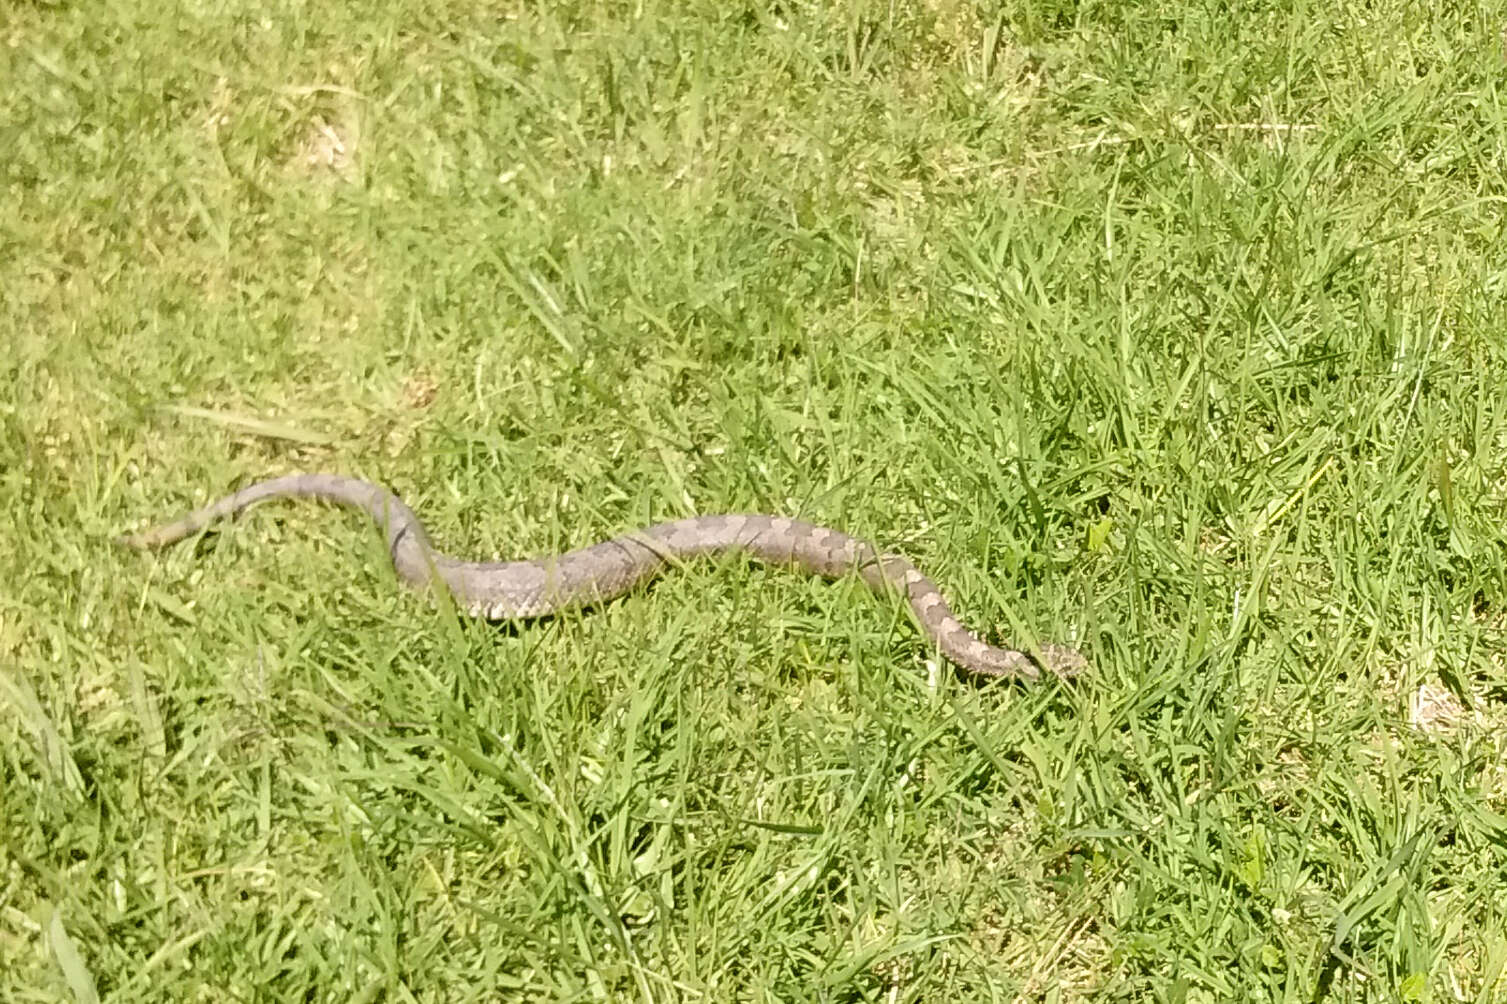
{"x":589,"y":575}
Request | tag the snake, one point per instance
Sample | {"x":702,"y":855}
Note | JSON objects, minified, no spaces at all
{"x":596,"y":574}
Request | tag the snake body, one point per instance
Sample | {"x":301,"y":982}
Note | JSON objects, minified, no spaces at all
{"x":590,"y":575}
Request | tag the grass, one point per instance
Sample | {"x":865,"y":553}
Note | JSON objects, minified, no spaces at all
{"x":1172,"y":331}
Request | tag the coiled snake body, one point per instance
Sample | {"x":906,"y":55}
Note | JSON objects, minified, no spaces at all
{"x":595,"y":574}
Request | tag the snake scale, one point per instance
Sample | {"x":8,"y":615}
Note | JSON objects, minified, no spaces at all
{"x":590,"y":575}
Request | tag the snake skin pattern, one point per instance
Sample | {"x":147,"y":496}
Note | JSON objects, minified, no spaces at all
{"x":590,"y":575}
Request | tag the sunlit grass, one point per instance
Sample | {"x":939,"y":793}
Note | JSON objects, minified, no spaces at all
{"x":1170,"y":333}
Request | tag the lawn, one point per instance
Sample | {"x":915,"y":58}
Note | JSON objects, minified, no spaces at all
{"x":1174,"y":332}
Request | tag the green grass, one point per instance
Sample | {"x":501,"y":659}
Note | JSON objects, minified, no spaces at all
{"x":1176,"y":332}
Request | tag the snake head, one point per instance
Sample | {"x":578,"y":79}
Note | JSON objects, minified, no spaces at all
{"x":1062,"y":661}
